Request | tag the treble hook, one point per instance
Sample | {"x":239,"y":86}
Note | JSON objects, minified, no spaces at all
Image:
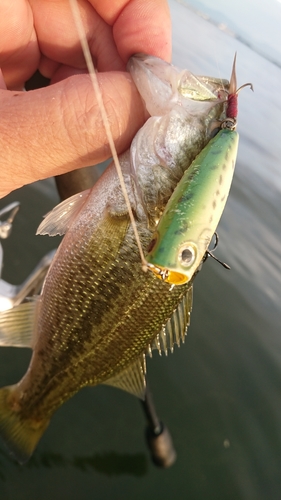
{"x":209,"y":253}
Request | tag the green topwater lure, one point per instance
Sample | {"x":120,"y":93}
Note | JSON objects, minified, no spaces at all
{"x":192,"y":214}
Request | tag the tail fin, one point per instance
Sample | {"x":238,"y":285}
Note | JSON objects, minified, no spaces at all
{"x":20,"y":435}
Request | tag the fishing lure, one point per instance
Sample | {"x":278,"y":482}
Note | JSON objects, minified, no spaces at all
{"x":193,"y":212}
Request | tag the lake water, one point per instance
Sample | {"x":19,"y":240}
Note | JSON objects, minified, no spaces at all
{"x":220,"y":394}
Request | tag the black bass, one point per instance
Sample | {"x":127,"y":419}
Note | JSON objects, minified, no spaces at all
{"x":99,"y":313}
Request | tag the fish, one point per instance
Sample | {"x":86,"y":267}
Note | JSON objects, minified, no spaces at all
{"x":99,"y":313}
{"x":191,"y":216}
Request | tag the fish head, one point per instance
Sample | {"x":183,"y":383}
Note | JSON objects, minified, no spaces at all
{"x":164,"y":86}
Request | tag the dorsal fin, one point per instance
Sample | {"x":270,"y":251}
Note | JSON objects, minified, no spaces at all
{"x":176,"y":328}
{"x":132,"y":379}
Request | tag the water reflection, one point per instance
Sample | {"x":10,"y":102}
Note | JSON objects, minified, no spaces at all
{"x":112,"y":463}
{"x":108,"y":463}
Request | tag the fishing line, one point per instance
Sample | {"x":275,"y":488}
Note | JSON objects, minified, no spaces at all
{"x":158,"y":436}
{"x":92,"y":72}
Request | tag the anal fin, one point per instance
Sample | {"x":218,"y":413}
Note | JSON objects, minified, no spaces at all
{"x":132,"y":379}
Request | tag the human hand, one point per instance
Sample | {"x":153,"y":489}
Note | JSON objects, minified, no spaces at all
{"x":55,"y":129}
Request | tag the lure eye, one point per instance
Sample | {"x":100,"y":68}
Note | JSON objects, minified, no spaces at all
{"x":187,"y":255}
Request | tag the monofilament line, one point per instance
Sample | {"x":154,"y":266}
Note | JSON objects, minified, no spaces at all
{"x":94,"y":80}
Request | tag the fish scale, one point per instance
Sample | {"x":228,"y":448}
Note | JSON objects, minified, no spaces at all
{"x":105,"y":349}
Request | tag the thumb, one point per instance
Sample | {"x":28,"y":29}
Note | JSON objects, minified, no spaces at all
{"x":56,"y":129}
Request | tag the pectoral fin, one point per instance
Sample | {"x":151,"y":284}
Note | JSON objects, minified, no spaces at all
{"x":176,"y":328}
{"x":59,"y":219}
{"x":17,"y":325}
{"x":132,"y":379}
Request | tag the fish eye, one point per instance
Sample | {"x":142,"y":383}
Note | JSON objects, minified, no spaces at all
{"x":187,"y":255}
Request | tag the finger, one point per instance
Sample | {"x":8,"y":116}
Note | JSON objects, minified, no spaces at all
{"x":54,"y":130}
{"x":138,"y":26}
{"x":59,"y":39}
{"x":19,"y":53}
